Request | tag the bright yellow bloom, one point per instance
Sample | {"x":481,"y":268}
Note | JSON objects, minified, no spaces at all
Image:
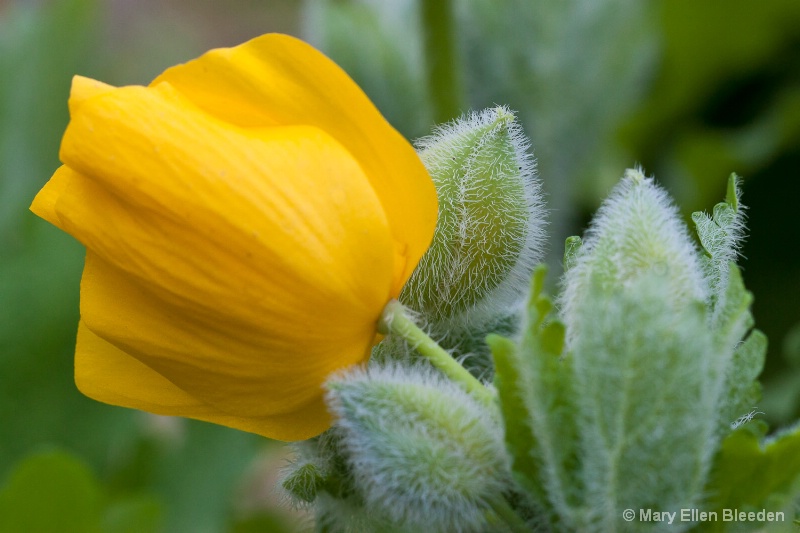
{"x":247,"y":216}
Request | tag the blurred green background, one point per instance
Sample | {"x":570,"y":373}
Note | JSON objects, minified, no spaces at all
{"x":690,"y":90}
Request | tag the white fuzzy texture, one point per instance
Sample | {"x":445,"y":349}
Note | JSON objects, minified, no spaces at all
{"x":647,"y":398}
{"x":721,"y":235}
{"x":637,"y":230}
{"x":491,"y":222}
{"x":425,"y":456}
{"x":648,"y":372}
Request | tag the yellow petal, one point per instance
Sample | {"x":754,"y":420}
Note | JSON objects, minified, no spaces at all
{"x":246,"y":219}
{"x":237,"y":367}
{"x":212,"y":257}
{"x":84,"y":89}
{"x":44,"y":204}
{"x":107,"y":374}
{"x":289,"y":205}
{"x":279,"y":80}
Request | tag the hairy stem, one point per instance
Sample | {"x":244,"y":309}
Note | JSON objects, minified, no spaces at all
{"x":395,"y":321}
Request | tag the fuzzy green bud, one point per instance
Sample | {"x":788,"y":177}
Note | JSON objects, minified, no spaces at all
{"x":490,"y":227}
{"x":636,"y":232}
{"x":424,"y":454}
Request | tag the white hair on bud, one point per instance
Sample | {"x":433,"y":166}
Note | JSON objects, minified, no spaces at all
{"x":637,"y":230}
{"x":424,"y":454}
{"x":469,"y":296}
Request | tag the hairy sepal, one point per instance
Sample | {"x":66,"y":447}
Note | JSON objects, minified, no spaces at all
{"x":424,"y":454}
{"x":473,"y":279}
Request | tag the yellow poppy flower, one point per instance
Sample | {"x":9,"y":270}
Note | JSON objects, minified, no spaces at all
{"x":247,"y":216}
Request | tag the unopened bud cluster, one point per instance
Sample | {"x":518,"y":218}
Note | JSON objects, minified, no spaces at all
{"x":618,"y":394}
{"x":412,"y":451}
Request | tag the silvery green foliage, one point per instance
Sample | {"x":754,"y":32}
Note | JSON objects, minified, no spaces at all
{"x":473,"y":278}
{"x":651,"y":363}
{"x":721,"y":235}
{"x":644,"y":359}
{"x":645,"y":368}
{"x":622,"y":411}
{"x":425,"y":456}
{"x":621,"y":399}
{"x":636,"y":231}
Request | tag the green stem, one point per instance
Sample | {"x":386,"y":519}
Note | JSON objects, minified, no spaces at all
{"x":440,"y":59}
{"x":395,"y":320}
{"x":503,"y":510}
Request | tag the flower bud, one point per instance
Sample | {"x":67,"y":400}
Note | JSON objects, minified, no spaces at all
{"x":490,"y":228}
{"x":636,"y":232}
{"x":424,"y":454}
{"x":235,"y":201}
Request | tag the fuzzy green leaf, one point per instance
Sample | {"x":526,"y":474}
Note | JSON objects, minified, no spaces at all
{"x":752,"y":475}
{"x":646,"y":399}
{"x":742,"y":387}
{"x":304,"y":482}
{"x":571,"y":248}
{"x":510,"y":381}
{"x":721,"y":235}
{"x":535,"y":397}
{"x":733,"y":317}
{"x":744,"y":359}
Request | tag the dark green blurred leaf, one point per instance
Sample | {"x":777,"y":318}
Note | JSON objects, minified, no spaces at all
{"x":749,"y":474}
{"x":199,"y":478}
{"x":262,"y":524}
{"x":726,"y":96}
{"x":53,"y":491}
{"x":50,"y":492}
{"x":136,"y":514}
